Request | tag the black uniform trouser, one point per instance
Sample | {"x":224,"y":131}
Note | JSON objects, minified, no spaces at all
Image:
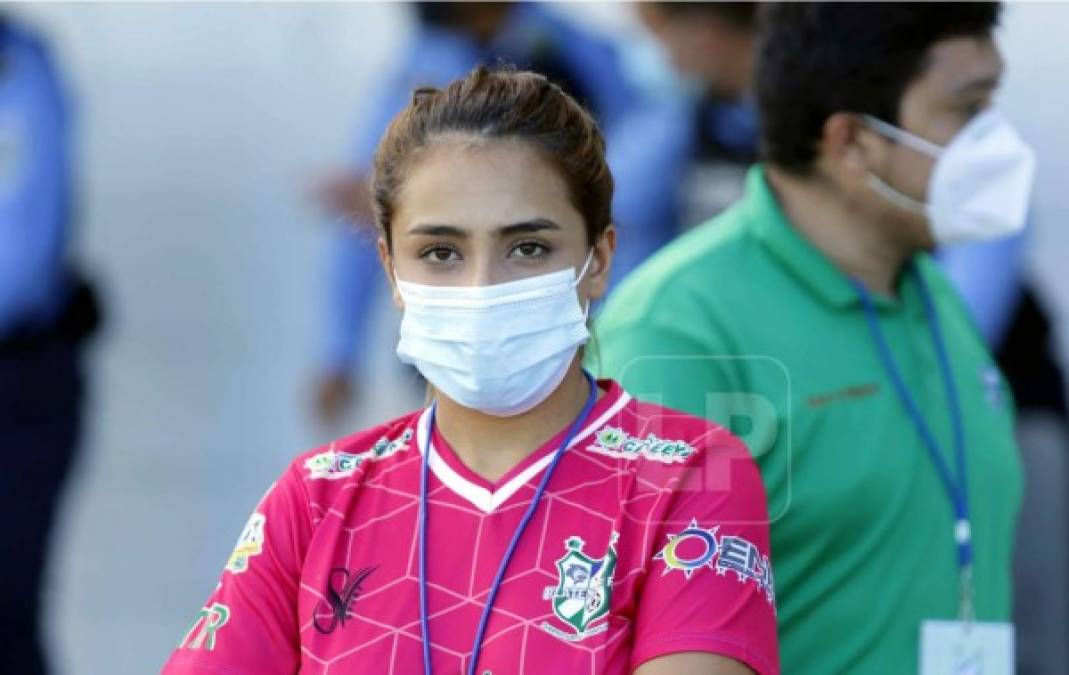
{"x":41,"y":393}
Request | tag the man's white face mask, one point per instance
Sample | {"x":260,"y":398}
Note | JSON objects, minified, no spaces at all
{"x":500,"y":349}
{"x":981,"y":183}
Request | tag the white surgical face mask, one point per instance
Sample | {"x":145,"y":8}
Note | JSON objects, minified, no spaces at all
{"x":500,"y":349}
{"x":980,"y":185}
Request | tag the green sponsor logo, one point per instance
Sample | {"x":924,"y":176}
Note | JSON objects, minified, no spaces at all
{"x":616,"y":442}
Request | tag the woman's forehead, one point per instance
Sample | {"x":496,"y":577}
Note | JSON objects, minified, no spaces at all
{"x":484,"y":184}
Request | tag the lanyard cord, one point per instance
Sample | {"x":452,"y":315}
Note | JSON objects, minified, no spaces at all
{"x":957,"y":490}
{"x":485,"y":617}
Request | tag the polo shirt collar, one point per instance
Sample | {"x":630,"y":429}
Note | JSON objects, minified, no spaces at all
{"x":770,"y":227}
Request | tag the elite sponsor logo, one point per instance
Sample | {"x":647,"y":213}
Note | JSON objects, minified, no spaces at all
{"x":333,"y":465}
{"x":583,"y":592}
{"x":695,"y":547}
{"x":691,"y":549}
{"x":250,"y":543}
{"x":616,"y":442}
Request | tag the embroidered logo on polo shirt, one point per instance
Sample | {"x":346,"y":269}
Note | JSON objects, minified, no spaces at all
{"x":616,"y":442}
{"x":849,"y":393}
{"x":991,"y":379}
{"x":333,"y":465}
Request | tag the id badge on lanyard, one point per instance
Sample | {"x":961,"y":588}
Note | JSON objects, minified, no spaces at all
{"x":964,"y":646}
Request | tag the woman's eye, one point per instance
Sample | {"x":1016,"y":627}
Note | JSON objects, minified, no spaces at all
{"x":529,"y":249}
{"x":440,"y":254}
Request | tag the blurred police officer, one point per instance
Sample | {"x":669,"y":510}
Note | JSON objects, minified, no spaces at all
{"x":46,"y":312}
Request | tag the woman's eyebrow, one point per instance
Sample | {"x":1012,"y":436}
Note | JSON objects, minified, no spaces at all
{"x":536,"y":225}
{"x":438,"y":230}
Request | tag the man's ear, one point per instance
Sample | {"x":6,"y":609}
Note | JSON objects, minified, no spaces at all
{"x":850,"y":146}
{"x":597,"y":281}
{"x":388,"y":269}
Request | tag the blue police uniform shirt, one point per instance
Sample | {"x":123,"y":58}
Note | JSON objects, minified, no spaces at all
{"x":34,"y":183}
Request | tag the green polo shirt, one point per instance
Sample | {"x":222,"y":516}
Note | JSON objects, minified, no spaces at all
{"x":743,"y":321}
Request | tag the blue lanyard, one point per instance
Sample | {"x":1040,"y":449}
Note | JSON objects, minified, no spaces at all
{"x":956,"y":490}
{"x":484,"y":619}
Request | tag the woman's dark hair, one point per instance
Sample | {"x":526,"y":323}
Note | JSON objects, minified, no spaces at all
{"x":506,"y":104}
{"x":819,"y":58}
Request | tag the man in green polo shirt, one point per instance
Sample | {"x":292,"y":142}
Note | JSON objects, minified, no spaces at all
{"x":810,"y":320}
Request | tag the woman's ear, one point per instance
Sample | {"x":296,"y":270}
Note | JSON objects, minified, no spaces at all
{"x":388,"y":269}
{"x":601,"y":263}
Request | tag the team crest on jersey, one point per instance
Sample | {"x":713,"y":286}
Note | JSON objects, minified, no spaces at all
{"x":616,"y":442}
{"x":333,"y":465}
{"x":695,"y":547}
{"x":250,"y":543}
{"x":583,"y":592}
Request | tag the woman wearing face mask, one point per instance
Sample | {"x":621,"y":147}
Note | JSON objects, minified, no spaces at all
{"x":530,"y":519}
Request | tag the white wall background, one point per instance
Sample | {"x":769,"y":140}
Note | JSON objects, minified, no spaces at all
{"x":1036,"y":96}
{"x":198,"y":125}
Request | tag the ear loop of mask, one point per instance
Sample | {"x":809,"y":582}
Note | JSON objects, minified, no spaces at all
{"x":904,"y":137}
{"x":912,"y":141}
{"x":894,"y":196}
{"x":578,"y":279}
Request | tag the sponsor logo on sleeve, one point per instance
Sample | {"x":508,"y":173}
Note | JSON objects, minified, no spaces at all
{"x":583,"y":593}
{"x":250,"y":543}
{"x":615,"y":442}
{"x":208,"y":622}
{"x":695,"y":547}
{"x":334,"y":465}
{"x":691,"y":549}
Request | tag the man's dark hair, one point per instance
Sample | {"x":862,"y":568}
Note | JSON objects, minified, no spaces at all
{"x":817,"y":58}
{"x":742,"y":15}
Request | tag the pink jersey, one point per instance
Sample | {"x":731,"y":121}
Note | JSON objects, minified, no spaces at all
{"x":651,"y":538}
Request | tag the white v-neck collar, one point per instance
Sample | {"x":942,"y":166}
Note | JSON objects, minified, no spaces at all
{"x":481,"y":498}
